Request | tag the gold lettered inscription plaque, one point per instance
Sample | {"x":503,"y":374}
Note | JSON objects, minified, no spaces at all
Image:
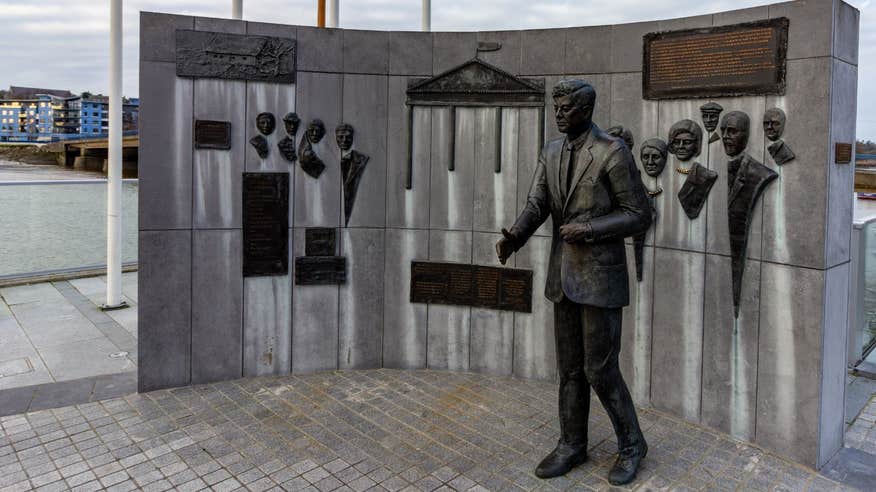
{"x":843,"y":153}
{"x":738,"y":60}
{"x":461,"y":284}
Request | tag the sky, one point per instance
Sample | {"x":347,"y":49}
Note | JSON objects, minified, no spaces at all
{"x":63,"y":44}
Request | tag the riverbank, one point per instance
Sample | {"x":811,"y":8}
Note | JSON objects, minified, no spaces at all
{"x":12,"y":170}
{"x":28,"y":154}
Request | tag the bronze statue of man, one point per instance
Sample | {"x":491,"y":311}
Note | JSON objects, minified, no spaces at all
{"x":587,"y":182}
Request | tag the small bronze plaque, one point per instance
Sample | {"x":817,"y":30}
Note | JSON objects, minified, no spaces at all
{"x":319,"y":241}
{"x":481,"y":286}
{"x":738,"y":60}
{"x":212,"y":134}
{"x":265,"y":224}
{"x":320,"y":270}
{"x":235,"y":56}
{"x":843,"y":153}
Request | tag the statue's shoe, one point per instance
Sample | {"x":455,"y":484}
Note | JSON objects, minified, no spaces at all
{"x":627,"y":465}
{"x":562,"y":459}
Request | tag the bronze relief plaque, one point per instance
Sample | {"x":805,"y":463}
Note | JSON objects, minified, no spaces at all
{"x":320,"y":270}
{"x":842,"y":153}
{"x":319,"y":241}
{"x":461,"y":284}
{"x":217,"y":55}
{"x":212,"y":135}
{"x":265,"y":224}
{"x":738,"y":60}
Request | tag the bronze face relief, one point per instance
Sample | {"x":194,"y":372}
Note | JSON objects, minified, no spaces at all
{"x":266,"y":123}
{"x":685,"y":141}
{"x":310,"y":161}
{"x":711,"y":114}
{"x":774,"y":127}
{"x":622,"y":133}
{"x":287,"y":144}
{"x":352,"y":165}
{"x":653,"y":156}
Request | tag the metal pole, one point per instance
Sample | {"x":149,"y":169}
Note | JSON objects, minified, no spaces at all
{"x":237,"y":9}
{"x":114,"y":165}
{"x":427,"y":16}
{"x":320,"y":13}
{"x":333,"y":13}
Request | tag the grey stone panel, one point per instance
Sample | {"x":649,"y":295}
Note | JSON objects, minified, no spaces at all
{"x":535,"y":352}
{"x":833,"y":362}
{"x":846,"y":32}
{"x":320,"y":49}
{"x":452,"y":192}
{"x":841,"y":177}
{"x":492,"y":331}
{"x":407,"y":208}
{"x":508,"y":56}
{"x":360,"y":343}
{"x":715,"y":212}
{"x":318,"y":201}
{"x":528,"y":151}
{"x":365,"y":107}
{"x":270,"y":29}
{"x":216,"y":174}
{"x":220,"y":25}
{"x":550,"y":121}
{"x":267,"y":322}
{"x":404,"y":323}
{"x":811,"y":31}
{"x":217,"y":306}
{"x":366,"y":52}
{"x":626,"y":45}
{"x":449,"y":326}
{"x":674,"y":229}
{"x":165,"y":315}
{"x":543,"y":52}
{"x":314,"y":322}
{"x":495,"y":194}
{"x":588,"y":50}
{"x":741,"y":15}
{"x":410,"y":53}
{"x":451,"y":49}
{"x":677,"y":332}
{"x":679,"y":23}
{"x":277,"y":99}
{"x":795,"y":204}
{"x":158,"y":36}
{"x":635,"y":354}
{"x":165,"y":194}
{"x":730,"y":349}
{"x":790,"y":361}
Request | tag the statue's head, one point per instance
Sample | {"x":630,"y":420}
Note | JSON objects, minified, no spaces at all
{"x":711,"y":113}
{"x":265,"y":123}
{"x":344,"y":136}
{"x":574,"y":101}
{"x":685,"y":140}
{"x":774,"y":123}
{"x":622,"y":133}
{"x":315,"y":131}
{"x":734,"y":132}
{"x":653,"y":155}
{"x":291,"y":122}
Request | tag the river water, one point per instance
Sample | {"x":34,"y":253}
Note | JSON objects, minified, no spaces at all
{"x":58,"y":222}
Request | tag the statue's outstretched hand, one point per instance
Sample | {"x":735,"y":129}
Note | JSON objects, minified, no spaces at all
{"x":505,"y":246}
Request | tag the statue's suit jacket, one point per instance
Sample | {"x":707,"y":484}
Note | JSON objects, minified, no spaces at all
{"x":607,"y":192}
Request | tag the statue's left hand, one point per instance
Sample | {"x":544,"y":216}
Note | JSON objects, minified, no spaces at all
{"x":575,"y":232}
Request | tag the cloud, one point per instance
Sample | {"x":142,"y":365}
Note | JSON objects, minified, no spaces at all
{"x":64,"y":44}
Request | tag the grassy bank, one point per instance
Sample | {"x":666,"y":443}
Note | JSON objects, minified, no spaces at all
{"x":29,"y":154}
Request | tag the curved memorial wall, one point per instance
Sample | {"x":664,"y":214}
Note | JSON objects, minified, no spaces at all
{"x":319,"y":199}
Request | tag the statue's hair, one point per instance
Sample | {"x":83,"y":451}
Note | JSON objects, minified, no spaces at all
{"x":655,"y":143}
{"x":686,"y":126}
{"x":291,"y":117}
{"x":316,"y":122}
{"x":622,"y":133}
{"x":344,"y":127}
{"x":711,"y":107}
{"x":743,"y":118}
{"x":582,"y":91}
{"x":776,"y":111}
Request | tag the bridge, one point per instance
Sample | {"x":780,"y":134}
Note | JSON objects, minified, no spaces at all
{"x":91,"y":153}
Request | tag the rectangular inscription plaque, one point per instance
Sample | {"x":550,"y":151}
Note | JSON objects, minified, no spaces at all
{"x":462,"y":284}
{"x":212,"y":134}
{"x":235,"y":56}
{"x":842,"y":153}
{"x":319,"y":241}
{"x":320,"y":270}
{"x":737,"y":60}
{"x":265,"y":224}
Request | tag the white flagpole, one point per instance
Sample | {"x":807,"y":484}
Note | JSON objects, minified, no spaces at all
{"x":237,"y":9}
{"x":333,"y":13}
{"x":427,"y":16}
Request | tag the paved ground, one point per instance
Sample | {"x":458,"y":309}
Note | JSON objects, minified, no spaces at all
{"x":364,"y":430}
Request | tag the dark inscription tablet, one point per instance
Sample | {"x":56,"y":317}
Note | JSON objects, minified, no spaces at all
{"x":212,"y":134}
{"x":742,"y":59}
{"x":235,"y":56}
{"x":842,"y":153}
{"x":461,"y":284}
{"x":265,"y":224}
{"x":320,"y":270}
{"x":319,"y":241}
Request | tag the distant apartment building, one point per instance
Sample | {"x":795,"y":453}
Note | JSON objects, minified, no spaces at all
{"x":44,"y":115}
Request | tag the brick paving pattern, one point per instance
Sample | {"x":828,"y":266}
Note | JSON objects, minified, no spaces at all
{"x":363,"y":430}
